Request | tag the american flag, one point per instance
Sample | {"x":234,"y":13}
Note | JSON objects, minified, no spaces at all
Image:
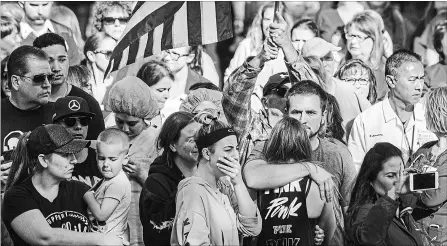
{"x":157,"y":26}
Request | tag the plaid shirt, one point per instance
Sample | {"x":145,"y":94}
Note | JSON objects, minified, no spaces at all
{"x":250,"y":126}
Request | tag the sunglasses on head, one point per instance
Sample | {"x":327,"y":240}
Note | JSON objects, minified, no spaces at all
{"x":112,"y":20}
{"x":71,"y":121}
{"x":40,"y":78}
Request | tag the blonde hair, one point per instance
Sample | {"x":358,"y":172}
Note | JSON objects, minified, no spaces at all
{"x":255,"y":31}
{"x":114,"y":136}
{"x":436,"y":110}
{"x":368,"y":25}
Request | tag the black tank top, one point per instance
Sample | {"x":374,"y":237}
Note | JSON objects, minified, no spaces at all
{"x":285,"y":220}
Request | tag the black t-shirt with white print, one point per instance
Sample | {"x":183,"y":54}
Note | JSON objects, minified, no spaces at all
{"x":87,"y":171}
{"x":15,"y":122}
{"x":285,"y":220}
{"x":68,"y":210}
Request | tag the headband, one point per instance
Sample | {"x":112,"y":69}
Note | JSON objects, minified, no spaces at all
{"x":213,"y":137}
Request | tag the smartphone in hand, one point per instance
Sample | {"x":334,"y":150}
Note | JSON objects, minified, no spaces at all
{"x":424,"y":181}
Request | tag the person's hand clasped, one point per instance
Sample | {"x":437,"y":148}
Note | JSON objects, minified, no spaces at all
{"x":134,"y":168}
{"x":324,"y":182}
{"x":278,"y":32}
{"x":232,"y":168}
{"x":319,"y":235}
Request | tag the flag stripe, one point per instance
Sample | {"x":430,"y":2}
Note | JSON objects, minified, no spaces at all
{"x":137,"y":6}
{"x":149,"y":44}
{"x":194,"y":23}
{"x":224,"y":20}
{"x":148,"y":23}
{"x":123,"y":62}
{"x":157,"y":26}
{"x":143,"y":43}
{"x":209,"y":27}
{"x":180,"y":28}
{"x":158,"y":32}
{"x":146,"y":9}
{"x":166,"y":37}
{"x":133,"y":50}
{"x":116,"y":62}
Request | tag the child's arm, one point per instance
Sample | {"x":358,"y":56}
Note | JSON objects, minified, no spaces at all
{"x":112,"y":198}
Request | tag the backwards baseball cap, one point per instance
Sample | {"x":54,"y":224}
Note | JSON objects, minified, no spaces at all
{"x":276,"y":83}
{"x":68,"y":106}
{"x":53,"y":139}
{"x":318,"y":47}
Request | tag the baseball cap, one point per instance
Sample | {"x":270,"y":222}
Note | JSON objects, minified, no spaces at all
{"x":67,"y":106}
{"x":53,"y":138}
{"x":318,"y":47}
{"x":277,"y":82}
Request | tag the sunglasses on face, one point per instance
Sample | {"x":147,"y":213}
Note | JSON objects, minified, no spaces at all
{"x":40,"y":78}
{"x":71,"y":121}
{"x":106,"y":53}
{"x":112,"y":20}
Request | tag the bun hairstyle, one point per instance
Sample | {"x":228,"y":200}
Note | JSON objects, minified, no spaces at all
{"x":210,"y":124}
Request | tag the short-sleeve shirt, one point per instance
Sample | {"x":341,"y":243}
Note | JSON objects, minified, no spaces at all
{"x":68,"y":210}
{"x":15,"y":122}
{"x":118,"y":188}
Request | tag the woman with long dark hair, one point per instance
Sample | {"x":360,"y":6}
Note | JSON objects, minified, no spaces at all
{"x":178,"y":160}
{"x":376,"y":215}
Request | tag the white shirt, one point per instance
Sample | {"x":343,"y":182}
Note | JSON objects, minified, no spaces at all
{"x":380,"y":123}
{"x":26,"y":29}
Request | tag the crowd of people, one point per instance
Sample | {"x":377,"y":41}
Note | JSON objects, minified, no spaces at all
{"x":310,"y":139}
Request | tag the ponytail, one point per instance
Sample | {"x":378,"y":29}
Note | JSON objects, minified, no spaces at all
{"x":23,"y":165}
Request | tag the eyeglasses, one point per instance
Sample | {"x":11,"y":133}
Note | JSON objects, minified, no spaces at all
{"x":40,"y":78}
{"x":175,"y":56}
{"x":71,"y":121}
{"x":351,"y":36}
{"x":360,"y":81}
{"x":106,"y":53}
{"x":112,"y":20}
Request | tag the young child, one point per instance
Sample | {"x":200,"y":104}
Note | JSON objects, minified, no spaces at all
{"x":109,"y":200}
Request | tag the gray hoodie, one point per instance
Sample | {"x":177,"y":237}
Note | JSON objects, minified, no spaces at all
{"x":206,"y":217}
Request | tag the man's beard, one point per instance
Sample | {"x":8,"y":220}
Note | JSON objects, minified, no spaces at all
{"x":313,"y":134}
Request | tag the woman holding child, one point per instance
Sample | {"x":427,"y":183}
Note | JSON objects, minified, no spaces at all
{"x":44,"y":208}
